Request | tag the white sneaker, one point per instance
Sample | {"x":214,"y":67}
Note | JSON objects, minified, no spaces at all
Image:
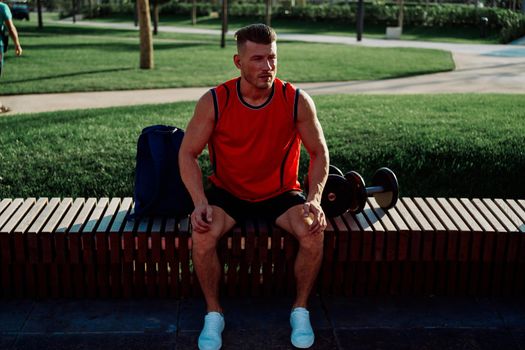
{"x":210,"y":337}
{"x":302,"y":332}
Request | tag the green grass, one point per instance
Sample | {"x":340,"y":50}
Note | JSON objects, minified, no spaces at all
{"x":438,"y":145}
{"x":467,"y":35}
{"x":63,"y":58}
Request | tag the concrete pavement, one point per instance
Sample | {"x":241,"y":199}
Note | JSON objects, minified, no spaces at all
{"x":354,"y":323}
{"x":479,"y":69}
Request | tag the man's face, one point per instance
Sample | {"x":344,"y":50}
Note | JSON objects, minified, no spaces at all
{"x":258,"y":63}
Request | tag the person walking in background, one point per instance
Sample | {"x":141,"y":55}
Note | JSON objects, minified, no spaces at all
{"x":6,"y":25}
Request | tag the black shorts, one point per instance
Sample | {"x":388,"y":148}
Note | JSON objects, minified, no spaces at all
{"x":241,"y":210}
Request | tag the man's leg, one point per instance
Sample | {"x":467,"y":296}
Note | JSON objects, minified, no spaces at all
{"x":309,"y":257}
{"x":307,"y":264}
{"x":206,"y":260}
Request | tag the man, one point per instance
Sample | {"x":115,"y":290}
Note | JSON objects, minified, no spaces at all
{"x":254,"y":126}
{"x":6,"y":21}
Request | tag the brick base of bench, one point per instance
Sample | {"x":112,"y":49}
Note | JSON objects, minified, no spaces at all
{"x":86,"y":248}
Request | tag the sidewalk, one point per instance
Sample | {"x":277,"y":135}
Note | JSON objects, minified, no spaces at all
{"x":354,"y":323}
{"x":479,"y":69}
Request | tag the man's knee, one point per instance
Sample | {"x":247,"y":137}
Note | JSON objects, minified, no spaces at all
{"x":311,"y":242}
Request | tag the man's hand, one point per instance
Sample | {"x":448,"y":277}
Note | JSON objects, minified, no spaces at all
{"x":18,"y":50}
{"x":319,"y":220}
{"x":201,"y":218}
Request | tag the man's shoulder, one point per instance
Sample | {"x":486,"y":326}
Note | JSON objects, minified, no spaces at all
{"x":5,"y":12}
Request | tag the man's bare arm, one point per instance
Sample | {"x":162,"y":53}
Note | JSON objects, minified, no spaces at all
{"x":313,"y":139}
{"x":14,"y":35}
{"x":196,"y":137}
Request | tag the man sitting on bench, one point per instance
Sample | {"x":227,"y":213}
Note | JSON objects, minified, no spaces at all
{"x":254,"y":126}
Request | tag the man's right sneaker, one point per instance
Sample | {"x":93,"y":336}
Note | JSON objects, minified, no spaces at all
{"x":302,"y":332}
{"x":210,"y":337}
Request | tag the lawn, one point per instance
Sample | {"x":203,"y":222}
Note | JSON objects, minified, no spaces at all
{"x":467,"y":35}
{"x":438,"y":145}
{"x":63,"y":58}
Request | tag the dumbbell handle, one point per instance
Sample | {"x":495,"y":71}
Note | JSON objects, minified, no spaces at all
{"x":374,"y":189}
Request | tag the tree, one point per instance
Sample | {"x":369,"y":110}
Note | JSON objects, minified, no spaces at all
{"x":401,"y":5}
{"x":224,"y":22}
{"x":194,"y":12}
{"x":155,"y":16}
{"x":268,"y":12}
{"x":146,"y":38}
{"x":39,"y":8}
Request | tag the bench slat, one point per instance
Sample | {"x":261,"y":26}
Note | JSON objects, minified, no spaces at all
{"x":391,"y":231}
{"x":70,"y":215}
{"x":519,"y":211}
{"x":44,"y":216}
{"x":499,"y":215}
{"x":403,"y":238}
{"x":517,"y":223}
{"x":29,"y":217}
{"x":9,"y":211}
{"x":80,"y":220}
{"x":491,"y":219}
{"x":18,"y":215}
{"x":4,"y":203}
{"x":456,"y":222}
{"x":120,"y":219}
{"x":465,"y":233}
{"x":520,"y":274}
{"x":53,"y":222}
{"x":109,"y":215}
{"x":342,"y":236}
{"x":477,"y":215}
{"x":379,"y":234}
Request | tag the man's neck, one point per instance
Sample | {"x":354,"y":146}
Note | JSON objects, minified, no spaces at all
{"x":254,"y":95}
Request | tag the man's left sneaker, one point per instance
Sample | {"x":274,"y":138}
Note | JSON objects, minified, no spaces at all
{"x":211,"y":335}
{"x":302,"y":332}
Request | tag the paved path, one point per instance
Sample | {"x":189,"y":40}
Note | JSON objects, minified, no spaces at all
{"x":355,"y":323}
{"x":479,"y":69}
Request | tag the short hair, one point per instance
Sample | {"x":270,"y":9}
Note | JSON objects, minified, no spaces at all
{"x":258,"y":33}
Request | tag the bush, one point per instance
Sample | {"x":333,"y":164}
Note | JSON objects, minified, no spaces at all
{"x":508,"y":24}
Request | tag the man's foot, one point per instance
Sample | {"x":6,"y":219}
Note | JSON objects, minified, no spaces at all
{"x":4,"y":109}
{"x":210,"y":338}
{"x":302,"y":332}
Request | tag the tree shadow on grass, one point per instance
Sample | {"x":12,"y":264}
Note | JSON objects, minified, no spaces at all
{"x":66,"y":75}
{"x":111,"y":46}
{"x":58,"y":30}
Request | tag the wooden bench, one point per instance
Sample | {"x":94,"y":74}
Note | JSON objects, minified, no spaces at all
{"x":86,"y":248}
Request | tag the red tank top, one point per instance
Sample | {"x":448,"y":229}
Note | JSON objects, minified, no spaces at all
{"x":254,"y":150}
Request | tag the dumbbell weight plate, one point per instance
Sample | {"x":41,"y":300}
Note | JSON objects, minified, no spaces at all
{"x":336,"y":195}
{"x":358,"y":194}
{"x":386,"y":178}
{"x":332,"y":169}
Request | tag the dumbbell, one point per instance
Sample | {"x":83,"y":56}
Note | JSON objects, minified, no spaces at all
{"x":336,"y":196}
{"x":348,"y":192}
{"x":385,"y":189}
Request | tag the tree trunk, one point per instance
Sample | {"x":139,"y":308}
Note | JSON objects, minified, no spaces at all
{"x":136,"y":13}
{"x":146,"y":38}
{"x":224,"y":22}
{"x":401,"y":13}
{"x":360,"y":19}
{"x":268,"y":12}
{"x":39,"y":9}
{"x":155,"y":16}
{"x":194,"y":12}
{"x":74,"y":4}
